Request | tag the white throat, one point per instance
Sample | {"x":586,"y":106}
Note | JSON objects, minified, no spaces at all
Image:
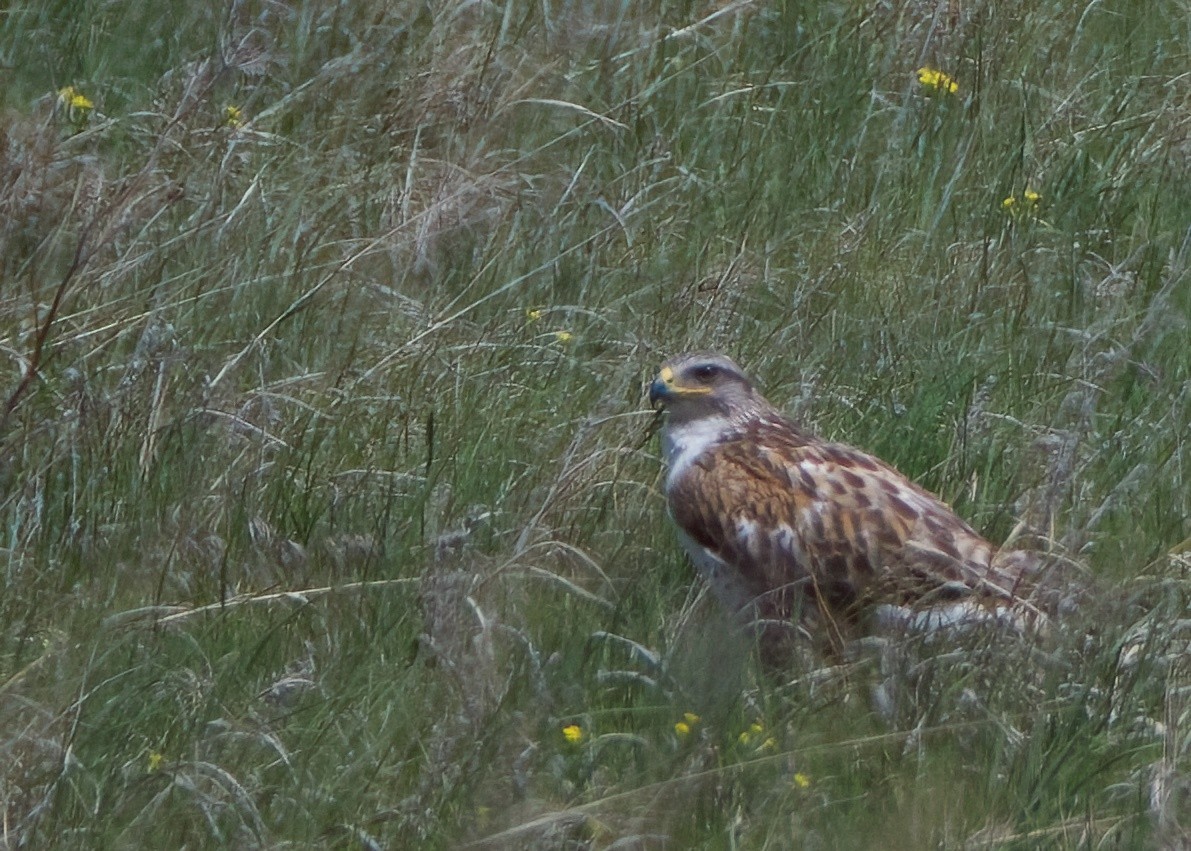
{"x":682,"y":444}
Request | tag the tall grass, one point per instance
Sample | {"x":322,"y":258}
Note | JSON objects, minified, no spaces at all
{"x":330,"y":496}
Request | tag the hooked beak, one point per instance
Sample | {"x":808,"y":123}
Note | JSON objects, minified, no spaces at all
{"x":662,"y":388}
{"x":659,"y":391}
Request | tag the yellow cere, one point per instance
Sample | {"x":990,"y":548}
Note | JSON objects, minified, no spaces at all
{"x":667,"y":374}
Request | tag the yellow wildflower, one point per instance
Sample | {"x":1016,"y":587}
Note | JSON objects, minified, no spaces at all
{"x":683,"y":728}
{"x":155,"y":760}
{"x":573,"y":733}
{"x":769,"y":744}
{"x":233,"y":116}
{"x":72,"y":98}
{"x":755,"y":729}
{"x":1026,"y":203}
{"x":533,"y":314}
{"x":932,"y":78}
{"x":802,"y":781}
{"x":563,"y":336}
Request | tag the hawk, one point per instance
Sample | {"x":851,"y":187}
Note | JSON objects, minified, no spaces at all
{"x":799,"y":535}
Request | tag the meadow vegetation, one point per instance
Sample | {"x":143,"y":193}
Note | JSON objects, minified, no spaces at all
{"x":331,"y":512}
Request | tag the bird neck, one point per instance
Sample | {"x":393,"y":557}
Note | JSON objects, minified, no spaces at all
{"x":685,"y":440}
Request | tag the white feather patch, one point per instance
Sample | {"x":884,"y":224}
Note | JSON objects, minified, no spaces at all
{"x":681,"y":445}
{"x":960,"y":617}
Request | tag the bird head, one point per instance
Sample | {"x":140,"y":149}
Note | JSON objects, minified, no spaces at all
{"x":701,"y":384}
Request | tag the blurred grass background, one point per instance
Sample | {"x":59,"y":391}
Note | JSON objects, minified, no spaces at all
{"x":329,"y":493}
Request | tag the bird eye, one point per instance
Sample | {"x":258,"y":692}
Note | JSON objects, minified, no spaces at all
{"x":706,"y":372}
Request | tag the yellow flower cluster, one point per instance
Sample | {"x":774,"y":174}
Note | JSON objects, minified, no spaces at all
{"x":755,"y":737}
{"x":535,"y":314}
{"x":1028,"y":203}
{"x":933,"y":78}
{"x":1029,"y":198}
{"x":73,"y":99}
{"x":683,"y":728}
{"x":233,"y":116}
{"x":75,"y":106}
{"x":573,"y":734}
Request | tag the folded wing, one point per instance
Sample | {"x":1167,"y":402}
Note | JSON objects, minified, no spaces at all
{"x":820,"y":531}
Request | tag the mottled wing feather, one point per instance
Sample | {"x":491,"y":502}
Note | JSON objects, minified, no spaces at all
{"x":790,"y":513}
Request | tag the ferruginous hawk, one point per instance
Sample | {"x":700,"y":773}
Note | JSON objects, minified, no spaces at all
{"x":795,"y":533}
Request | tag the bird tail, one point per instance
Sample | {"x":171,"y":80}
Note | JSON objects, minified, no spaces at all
{"x":1047,"y":583}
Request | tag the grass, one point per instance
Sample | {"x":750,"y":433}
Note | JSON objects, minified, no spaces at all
{"x":330,"y":496}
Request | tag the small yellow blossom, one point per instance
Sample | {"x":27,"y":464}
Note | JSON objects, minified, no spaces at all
{"x":573,"y":733}
{"x":72,"y":98}
{"x":155,"y":760}
{"x":533,"y":314}
{"x":683,"y":728}
{"x":1027,"y":202}
{"x":770,"y":744}
{"x":233,"y":116}
{"x":563,"y":336}
{"x":802,"y":781}
{"x":755,"y":729}
{"x":932,"y":78}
